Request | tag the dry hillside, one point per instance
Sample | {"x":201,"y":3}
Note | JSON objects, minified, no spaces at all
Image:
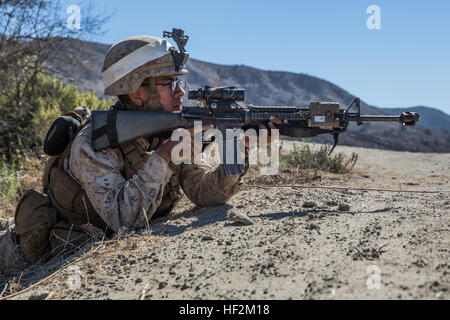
{"x":268,"y":88}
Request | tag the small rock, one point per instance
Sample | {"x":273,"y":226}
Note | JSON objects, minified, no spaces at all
{"x":138,"y":280}
{"x":207,"y":238}
{"x":344,"y":207}
{"x":313,"y":226}
{"x":309,"y":204}
{"x":332,"y":203}
{"x":239,"y":217}
{"x":184,"y":286}
{"x":39,"y":295}
{"x":420,"y":263}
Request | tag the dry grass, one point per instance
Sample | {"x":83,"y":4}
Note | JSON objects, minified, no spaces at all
{"x":25,"y":174}
{"x":305,"y":164}
{"x":86,"y":257}
{"x":317,"y":157}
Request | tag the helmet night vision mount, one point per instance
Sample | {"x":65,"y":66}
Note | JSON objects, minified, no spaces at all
{"x":179,"y":56}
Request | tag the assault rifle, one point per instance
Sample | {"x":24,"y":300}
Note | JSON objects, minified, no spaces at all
{"x":223,"y":108}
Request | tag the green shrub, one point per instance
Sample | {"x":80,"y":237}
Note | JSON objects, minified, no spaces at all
{"x":19,"y":174}
{"x":9,"y":181}
{"x":307,"y":157}
{"x":56,"y":99}
{"x":28,"y":111}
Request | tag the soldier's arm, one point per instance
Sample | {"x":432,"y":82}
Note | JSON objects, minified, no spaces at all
{"x":120,"y":202}
{"x":206,"y":186}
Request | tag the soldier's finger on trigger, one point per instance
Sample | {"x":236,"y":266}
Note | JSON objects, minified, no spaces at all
{"x":275,"y":120}
{"x":271,"y":125}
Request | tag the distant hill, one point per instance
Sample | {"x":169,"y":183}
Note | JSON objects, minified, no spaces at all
{"x":430,"y":118}
{"x":265,"y":88}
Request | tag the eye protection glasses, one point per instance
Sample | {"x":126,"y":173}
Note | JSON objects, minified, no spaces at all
{"x":173,"y":84}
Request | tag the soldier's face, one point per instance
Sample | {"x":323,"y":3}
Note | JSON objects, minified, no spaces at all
{"x":171,"y":99}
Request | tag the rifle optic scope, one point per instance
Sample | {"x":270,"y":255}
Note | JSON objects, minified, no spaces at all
{"x":219,"y":94}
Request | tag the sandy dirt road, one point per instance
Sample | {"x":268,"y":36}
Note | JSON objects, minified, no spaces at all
{"x":304,"y":243}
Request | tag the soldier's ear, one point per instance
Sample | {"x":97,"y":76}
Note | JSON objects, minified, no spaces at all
{"x":136,"y":97}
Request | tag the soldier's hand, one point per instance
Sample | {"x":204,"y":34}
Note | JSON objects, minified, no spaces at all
{"x":271,"y":124}
{"x":165,"y":149}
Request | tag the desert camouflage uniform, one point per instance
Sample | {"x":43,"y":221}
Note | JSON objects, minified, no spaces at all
{"x":130,"y":199}
{"x":131,"y":203}
{"x":153,"y":190}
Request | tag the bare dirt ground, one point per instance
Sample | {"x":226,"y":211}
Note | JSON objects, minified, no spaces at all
{"x":304,"y":243}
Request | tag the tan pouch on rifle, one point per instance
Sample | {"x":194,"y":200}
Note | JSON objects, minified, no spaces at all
{"x":34,"y":218}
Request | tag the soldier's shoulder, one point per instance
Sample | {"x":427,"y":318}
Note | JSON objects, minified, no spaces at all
{"x":82,"y":147}
{"x":83,"y":139}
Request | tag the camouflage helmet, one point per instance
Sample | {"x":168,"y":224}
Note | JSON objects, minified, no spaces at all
{"x":130,"y":61}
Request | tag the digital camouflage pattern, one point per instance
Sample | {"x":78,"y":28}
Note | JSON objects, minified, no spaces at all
{"x":153,"y":190}
{"x":131,"y":203}
{"x":124,"y":200}
{"x":118,"y":201}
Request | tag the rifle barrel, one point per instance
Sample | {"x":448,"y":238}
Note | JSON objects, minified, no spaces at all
{"x":373,"y":118}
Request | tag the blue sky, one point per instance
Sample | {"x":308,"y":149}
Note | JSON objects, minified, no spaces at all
{"x":405,"y":63}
